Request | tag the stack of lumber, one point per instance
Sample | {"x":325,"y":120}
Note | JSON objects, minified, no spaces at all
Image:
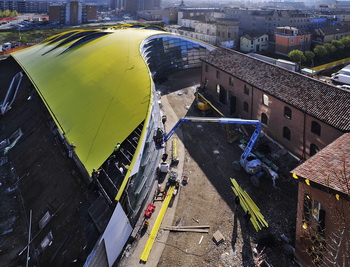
{"x":256,"y":218}
{"x":191,"y":228}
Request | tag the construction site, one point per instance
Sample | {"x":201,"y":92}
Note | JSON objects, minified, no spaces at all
{"x":206,"y":223}
{"x":171,"y":153}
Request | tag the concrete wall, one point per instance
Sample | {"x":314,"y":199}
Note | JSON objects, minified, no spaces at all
{"x":299,"y":125}
{"x":259,"y":44}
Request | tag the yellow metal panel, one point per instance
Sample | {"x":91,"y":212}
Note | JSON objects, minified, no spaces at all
{"x":154,"y":232}
{"x":98,"y":92}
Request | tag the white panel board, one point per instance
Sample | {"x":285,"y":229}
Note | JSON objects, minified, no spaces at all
{"x":116,"y":234}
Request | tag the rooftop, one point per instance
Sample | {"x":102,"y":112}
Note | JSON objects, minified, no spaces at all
{"x":331,"y":30}
{"x":69,"y":71}
{"x":251,"y":35}
{"x":302,"y":92}
{"x":330,"y":167}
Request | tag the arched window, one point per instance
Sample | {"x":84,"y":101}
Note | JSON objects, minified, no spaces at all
{"x":316,"y":128}
{"x":286,"y":133}
{"x":245,"y":106}
{"x":313,"y":149}
{"x":287,"y":113}
{"x":264,"y":118}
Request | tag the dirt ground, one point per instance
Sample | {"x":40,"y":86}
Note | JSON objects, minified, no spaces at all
{"x":209,"y":200}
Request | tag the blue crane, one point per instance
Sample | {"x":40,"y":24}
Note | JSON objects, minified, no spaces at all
{"x":248,"y":161}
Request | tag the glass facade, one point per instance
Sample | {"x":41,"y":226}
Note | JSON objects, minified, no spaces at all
{"x":140,"y":183}
{"x":166,"y":54}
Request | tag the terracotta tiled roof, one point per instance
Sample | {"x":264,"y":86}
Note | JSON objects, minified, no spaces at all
{"x":251,"y":35}
{"x":330,"y":166}
{"x":331,"y":30}
{"x":318,"y":99}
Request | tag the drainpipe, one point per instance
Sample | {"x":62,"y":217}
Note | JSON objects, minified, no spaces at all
{"x":303,"y":156}
{"x":251,"y":104}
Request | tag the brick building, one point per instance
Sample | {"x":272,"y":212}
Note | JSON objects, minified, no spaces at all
{"x":288,"y":39}
{"x":322,"y":226}
{"x":72,"y":13}
{"x":301,"y":113}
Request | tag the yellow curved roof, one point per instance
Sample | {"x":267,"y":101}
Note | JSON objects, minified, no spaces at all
{"x":98,"y":92}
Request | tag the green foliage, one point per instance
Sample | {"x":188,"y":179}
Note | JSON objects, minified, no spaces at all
{"x":345,"y":41}
{"x":338,"y":44}
{"x":320,"y":51}
{"x":6,"y":13}
{"x":296,"y":56}
{"x":14,"y":13}
{"x":330,"y":48}
{"x":309,"y":56}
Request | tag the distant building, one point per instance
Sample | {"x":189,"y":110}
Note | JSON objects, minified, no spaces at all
{"x":169,"y":15}
{"x":227,"y":31}
{"x":72,"y":13}
{"x":322,"y":226}
{"x":254,"y":42}
{"x":288,"y":39}
{"x":190,"y":13}
{"x":286,"y":4}
{"x":266,"y":21}
{"x":150,"y":15}
{"x":132,"y":7}
{"x":33,"y":6}
{"x":302,"y":114}
{"x":327,"y":35}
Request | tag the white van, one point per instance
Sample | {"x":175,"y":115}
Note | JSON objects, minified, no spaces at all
{"x":6,"y":46}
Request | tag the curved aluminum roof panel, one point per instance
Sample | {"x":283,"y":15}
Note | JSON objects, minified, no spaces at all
{"x":98,"y":92}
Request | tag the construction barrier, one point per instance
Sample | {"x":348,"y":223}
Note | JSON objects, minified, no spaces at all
{"x":155,"y":229}
{"x":330,"y":65}
{"x":174,"y":150}
{"x":256,"y":218}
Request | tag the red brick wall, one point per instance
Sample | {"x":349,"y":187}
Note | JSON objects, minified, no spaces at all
{"x":91,"y":12}
{"x":74,"y":8}
{"x":328,"y":203}
{"x":54,"y":13}
{"x":301,"y":136}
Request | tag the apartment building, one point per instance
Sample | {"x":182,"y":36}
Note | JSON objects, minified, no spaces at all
{"x":267,"y":20}
{"x":288,"y":39}
{"x":302,"y":114}
{"x":72,"y":13}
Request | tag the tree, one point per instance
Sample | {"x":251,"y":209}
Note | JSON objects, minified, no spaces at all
{"x":320,"y":51}
{"x":309,"y":55}
{"x":338,"y":44}
{"x":297,"y":56}
{"x":330,"y":48}
{"x":7,"y":13}
{"x":345,"y":41}
{"x":14,"y":13}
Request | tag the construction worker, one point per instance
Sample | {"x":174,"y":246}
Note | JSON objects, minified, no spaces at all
{"x":158,"y":138}
{"x":95,"y":173}
{"x":117,"y":147}
{"x":71,"y":149}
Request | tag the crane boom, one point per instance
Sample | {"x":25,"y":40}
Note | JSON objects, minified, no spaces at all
{"x":252,"y":139}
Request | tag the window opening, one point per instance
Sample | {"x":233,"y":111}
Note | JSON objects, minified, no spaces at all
{"x":286,"y":133}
